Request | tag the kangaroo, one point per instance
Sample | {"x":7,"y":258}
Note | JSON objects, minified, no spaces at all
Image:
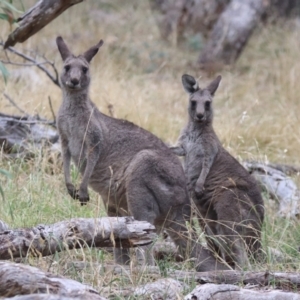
{"x":227,"y":197}
{"x":134,"y":171}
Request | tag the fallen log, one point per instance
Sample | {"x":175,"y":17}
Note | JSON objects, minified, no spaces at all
{"x":19,"y":279}
{"x":43,"y":240}
{"x":162,"y":288}
{"x":37,"y":17}
{"x":232,"y":292}
{"x":279,"y":186}
{"x":24,"y":135}
{"x":55,"y":297}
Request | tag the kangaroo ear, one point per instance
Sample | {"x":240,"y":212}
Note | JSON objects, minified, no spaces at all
{"x":212,"y":87}
{"x":89,"y":54}
{"x":63,"y":48}
{"x":189,"y":83}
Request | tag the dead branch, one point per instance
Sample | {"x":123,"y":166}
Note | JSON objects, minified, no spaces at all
{"x":286,"y":169}
{"x":39,"y":65}
{"x":44,"y":240}
{"x":19,"y":279}
{"x":36,"y":18}
{"x":232,"y":292}
{"x":283,"y":280}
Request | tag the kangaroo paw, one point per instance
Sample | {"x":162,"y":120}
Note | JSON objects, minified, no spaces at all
{"x":84,"y":199}
{"x":73,"y":192}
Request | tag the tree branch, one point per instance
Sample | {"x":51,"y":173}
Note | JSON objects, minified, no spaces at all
{"x":36,"y":18}
{"x":44,"y":240}
{"x":37,"y":64}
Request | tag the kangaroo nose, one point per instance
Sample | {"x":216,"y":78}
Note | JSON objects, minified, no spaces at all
{"x":200,"y":116}
{"x":74,"y":81}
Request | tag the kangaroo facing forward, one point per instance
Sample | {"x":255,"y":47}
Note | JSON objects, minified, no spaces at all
{"x":227,"y":197}
{"x":134,"y":171}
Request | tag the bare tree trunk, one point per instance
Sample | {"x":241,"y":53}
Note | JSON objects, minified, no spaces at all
{"x":231,"y":32}
{"x":232,"y":292}
{"x":36,"y":18}
{"x":175,"y":16}
{"x":44,"y":240}
{"x":19,"y":279}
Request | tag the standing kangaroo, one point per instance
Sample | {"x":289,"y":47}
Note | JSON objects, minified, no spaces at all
{"x":227,"y":197}
{"x":134,"y":171}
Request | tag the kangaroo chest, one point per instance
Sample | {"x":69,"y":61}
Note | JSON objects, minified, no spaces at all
{"x":195,"y":151}
{"x":75,"y":133}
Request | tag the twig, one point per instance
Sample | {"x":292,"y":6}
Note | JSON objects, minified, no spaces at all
{"x":40,"y":66}
{"x":8,"y":62}
{"x":34,"y":121}
{"x":15,"y":104}
{"x":51,"y":108}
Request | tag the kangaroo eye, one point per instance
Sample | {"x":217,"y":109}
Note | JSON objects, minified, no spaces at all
{"x":207,"y":105}
{"x":84,"y":70}
{"x":67,"y":68}
{"x":193,"y":104}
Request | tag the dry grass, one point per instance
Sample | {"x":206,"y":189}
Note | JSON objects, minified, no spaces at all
{"x":256,"y":111}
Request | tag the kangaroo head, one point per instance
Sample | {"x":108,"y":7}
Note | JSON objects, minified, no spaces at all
{"x":75,"y":74}
{"x":200,"y":100}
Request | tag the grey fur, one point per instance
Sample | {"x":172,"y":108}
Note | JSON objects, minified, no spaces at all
{"x":227,"y":197}
{"x":134,"y":171}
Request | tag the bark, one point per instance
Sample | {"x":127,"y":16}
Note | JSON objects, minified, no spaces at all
{"x":279,"y":186}
{"x":232,"y":292}
{"x":286,"y":169}
{"x":164,"y":288}
{"x":36,"y":18}
{"x":44,"y":240}
{"x":19,"y":279}
{"x":231,"y":32}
